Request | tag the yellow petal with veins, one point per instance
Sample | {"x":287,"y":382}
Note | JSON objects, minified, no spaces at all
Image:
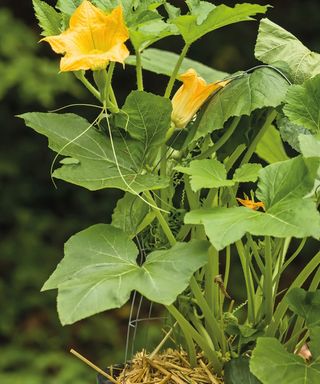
{"x":191,"y":96}
{"x":92,"y":39}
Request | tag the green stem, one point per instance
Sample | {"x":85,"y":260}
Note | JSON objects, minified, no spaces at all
{"x":234,"y":156}
{"x":139,"y":71}
{"x":175,"y":71}
{"x":212,"y":324}
{"x":223,"y":139}
{"x":107,"y":87}
{"x":294,"y":255}
{"x":164,"y":225}
{"x":211,"y":289}
{"x":283,"y":306}
{"x":81,"y":76}
{"x":248,"y":281}
{"x":267,"y":282}
{"x":272,"y":115}
{"x":209,"y":352}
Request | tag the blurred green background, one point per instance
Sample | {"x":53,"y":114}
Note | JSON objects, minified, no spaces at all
{"x":36,"y":219}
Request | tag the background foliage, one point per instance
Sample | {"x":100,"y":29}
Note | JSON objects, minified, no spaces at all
{"x":36,"y":219}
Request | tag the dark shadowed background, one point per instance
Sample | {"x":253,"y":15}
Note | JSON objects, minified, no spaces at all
{"x":36,"y":219}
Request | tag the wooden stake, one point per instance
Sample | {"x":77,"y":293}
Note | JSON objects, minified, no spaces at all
{"x":93,"y":366}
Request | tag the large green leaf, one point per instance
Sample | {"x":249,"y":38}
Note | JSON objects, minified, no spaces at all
{"x":275,"y":45}
{"x":302,"y":104}
{"x":271,"y":363}
{"x":270,"y":147}
{"x":163,"y":62}
{"x":147,"y":118}
{"x":282,"y":187}
{"x":200,"y":21}
{"x":49,"y":19}
{"x":210,"y":173}
{"x":99,"y":271}
{"x":305,"y":304}
{"x":207,"y":173}
{"x":262,"y":88}
{"x":71,"y":135}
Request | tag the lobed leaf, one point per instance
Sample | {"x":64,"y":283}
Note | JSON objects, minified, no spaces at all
{"x":99,"y":271}
{"x":97,"y":168}
{"x":200,"y":22}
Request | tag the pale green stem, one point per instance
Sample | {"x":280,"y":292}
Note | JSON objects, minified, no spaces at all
{"x":267,"y":282}
{"x":294,"y":255}
{"x":212,"y":289}
{"x":139,"y":71}
{"x":175,"y":71}
{"x":162,"y":221}
{"x":248,"y":281}
{"x":209,"y":352}
{"x":283,"y":306}
{"x":212,"y":323}
{"x":223,"y":139}
{"x":81,"y":76}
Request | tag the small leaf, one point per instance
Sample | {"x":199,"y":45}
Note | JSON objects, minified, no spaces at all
{"x":163,"y":62}
{"x":146,"y":117}
{"x":275,"y":44}
{"x":206,"y":173}
{"x":262,"y":88}
{"x":305,"y":304}
{"x":271,"y":364}
{"x":237,"y":371}
{"x":99,"y":271}
{"x":49,"y":19}
{"x":129,"y":214}
{"x":302,"y":104}
{"x":247,"y":173}
{"x":270,"y":147}
{"x":200,"y":22}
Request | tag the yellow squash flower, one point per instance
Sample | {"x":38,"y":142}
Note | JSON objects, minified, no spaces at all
{"x":191,"y":96}
{"x":255,"y":205}
{"x":92,"y":39}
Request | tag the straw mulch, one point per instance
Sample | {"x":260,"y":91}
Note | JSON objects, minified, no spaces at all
{"x":168,"y":367}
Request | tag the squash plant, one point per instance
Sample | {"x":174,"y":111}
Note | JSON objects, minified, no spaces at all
{"x":184,"y":161}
